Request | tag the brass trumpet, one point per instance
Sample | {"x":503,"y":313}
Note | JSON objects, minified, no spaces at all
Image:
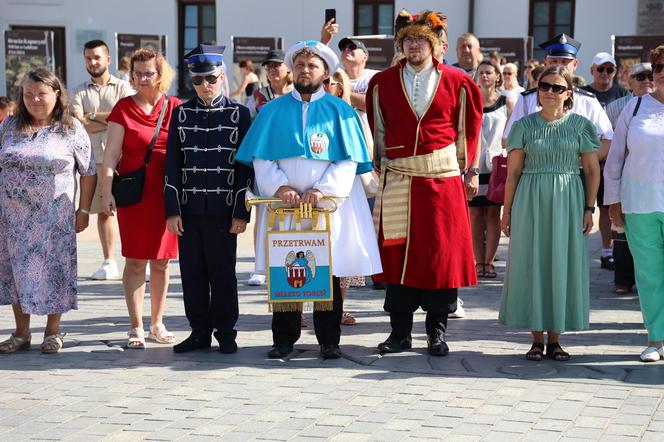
{"x":251,"y":200}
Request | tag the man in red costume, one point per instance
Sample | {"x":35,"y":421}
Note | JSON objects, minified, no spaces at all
{"x":426,"y":118}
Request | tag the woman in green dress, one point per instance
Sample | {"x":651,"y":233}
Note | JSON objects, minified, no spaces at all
{"x":547,"y":216}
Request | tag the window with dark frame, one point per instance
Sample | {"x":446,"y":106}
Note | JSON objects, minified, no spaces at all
{"x":374,"y":17}
{"x":197,"y":23}
{"x":548,"y":18}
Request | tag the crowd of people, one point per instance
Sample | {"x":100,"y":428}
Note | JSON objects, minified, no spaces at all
{"x":412,"y":153}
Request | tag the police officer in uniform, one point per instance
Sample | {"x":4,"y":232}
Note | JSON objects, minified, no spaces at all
{"x":204,"y":199}
{"x":562,"y":51}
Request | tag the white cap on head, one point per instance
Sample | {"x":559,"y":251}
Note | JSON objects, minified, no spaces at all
{"x":323,"y":51}
{"x":603,"y":57}
{"x":640,"y":67}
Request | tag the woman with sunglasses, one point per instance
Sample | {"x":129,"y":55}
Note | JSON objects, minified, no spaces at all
{"x":131,"y":126}
{"x":635,"y":191}
{"x":546,"y":215}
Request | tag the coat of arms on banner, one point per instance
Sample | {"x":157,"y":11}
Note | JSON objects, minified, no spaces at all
{"x":299,"y":266}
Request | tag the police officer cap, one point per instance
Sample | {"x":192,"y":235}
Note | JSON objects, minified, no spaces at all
{"x":323,"y":51}
{"x":204,"y":59}
{"x":561,"y":46}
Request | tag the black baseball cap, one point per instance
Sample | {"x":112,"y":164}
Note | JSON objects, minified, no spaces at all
{"x":275,"y":55}
{"x":359,"y":44}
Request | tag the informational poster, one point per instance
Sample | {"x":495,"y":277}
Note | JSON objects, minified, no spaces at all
{"x":254,"y":49}
{"x":515,"y":50}
{"x":629,"y":50}
{"x":381,"y":50}
{"x":26,"y":50}
{"x":128,"y":43}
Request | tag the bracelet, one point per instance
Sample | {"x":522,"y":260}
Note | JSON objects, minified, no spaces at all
{"x":86,"y":211}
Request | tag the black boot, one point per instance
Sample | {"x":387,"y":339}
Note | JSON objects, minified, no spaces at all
{"x":436,"y":344}
{"x":400,"y":338}
{"x":193,"y":342}
{"x":227,"y":344}
{"x":330,"y":351}
{"x":279,"y":351}
{"x":436,"y":325}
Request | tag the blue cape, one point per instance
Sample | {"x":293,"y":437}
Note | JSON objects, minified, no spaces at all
{"x":333,"y":133}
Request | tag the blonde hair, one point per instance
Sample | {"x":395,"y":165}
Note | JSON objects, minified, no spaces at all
{"x":342,"y":79}
{"x":165,"y":71}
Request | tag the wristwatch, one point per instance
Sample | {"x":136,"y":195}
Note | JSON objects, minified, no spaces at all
{"x":590,"y":209}
{"x":474,"y":170}
{"x":92,"y":116}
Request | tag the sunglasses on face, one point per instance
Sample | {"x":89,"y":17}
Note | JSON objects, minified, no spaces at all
{"x":642,"y":76}
{"x":350,"y":47}
{"x":329,"y":82}
{"x":657,"y":68}
{"x":199,"y":79}
{"x":546,"y":87}
{"x":609,"y":70}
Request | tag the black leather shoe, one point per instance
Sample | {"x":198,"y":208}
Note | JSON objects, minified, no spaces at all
{"x":227,"y":344}
{"x":394,"y":344}
{"x":436,"y":344}
{"x":607,"y":262}
{"x":330,"y":351}
{"x":193,"y":342}
{"x":280,"y":351}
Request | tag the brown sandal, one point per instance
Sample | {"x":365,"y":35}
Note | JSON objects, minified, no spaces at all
{"x":53,"y":343}
{"x":14,"y":344}
{"x":491,"y":272}
{"x":348,"y":319}
{"x":479,"y":268}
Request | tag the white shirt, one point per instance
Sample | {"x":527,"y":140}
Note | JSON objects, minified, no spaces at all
{"x":354,"y":244}
{"x":360,"y":85}
{"x":420,"y":86}
{"x":584,"y":105}
{"x":634,"y":169}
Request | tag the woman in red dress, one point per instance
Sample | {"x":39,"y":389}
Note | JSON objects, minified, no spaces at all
{"x":143,"y":233}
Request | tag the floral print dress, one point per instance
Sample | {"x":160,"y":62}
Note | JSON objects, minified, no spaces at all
{"x":37,"y":216}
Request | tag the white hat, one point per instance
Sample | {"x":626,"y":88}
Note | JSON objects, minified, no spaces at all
{"x":323,"y":51}
{"x":640,"y":67}
{"x":603,"y":57}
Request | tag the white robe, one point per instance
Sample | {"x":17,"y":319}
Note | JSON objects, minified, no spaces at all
{"x":354,"y":245}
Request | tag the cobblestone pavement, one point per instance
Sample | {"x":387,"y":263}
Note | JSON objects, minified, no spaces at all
{"x":484,"y":390}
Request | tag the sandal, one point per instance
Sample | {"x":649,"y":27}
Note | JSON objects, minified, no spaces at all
{"x":53,"y":343}
{"x":622,"y":289}
{"x":479,"y":268}
{"x":348,"y":319}
{"x":136,"y":338}
{"x":555,"y":351}
{"x":14,"y":344}
{"x":536,"y":352}
{"x":160,"y":335}
{"x":491,"y":272}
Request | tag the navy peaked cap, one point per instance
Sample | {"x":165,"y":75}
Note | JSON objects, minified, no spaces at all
{"x":561,"y":46}
{"x":204,"y":59}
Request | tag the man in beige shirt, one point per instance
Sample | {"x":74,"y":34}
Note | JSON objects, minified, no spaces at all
{"x":92,"y":103}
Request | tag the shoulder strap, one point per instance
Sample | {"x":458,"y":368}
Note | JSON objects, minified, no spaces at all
{"x":148,"y":154}
{"x":636,"y":108}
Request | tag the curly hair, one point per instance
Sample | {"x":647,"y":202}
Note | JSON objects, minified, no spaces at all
{"x":657,"y":54}
{"x":61,"y":115}
{"x":164,"y":70}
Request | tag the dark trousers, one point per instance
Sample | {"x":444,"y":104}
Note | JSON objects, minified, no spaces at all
{"x":286,"y":328}
{"x":622,"y":257}
{"x":401,"y":302}
{"x":207,"y":265}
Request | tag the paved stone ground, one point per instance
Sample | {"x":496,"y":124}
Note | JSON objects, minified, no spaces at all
{"x":484,"y":390}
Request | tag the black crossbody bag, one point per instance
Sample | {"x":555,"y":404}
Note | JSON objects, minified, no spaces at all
{"x":127,"y":189}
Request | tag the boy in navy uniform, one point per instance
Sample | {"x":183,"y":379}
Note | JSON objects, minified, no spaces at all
{"x":204,"y":190}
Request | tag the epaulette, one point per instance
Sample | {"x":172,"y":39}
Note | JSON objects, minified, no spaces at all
{"x":529,"y":91}
{"x":583,"y":92}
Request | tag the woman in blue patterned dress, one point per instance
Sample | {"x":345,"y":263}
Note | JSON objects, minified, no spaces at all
{"x":41,"y":149}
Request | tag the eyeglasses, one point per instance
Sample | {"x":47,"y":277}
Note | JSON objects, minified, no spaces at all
{"x":609,"y":70}
{"x":199,"y":79}
{"x":328,"y":82}
{"x":642,"y":76}
{"x":147,"y":75}
{"x":657,"y":68}
{"x":543,"y":86}
{"x":412,"y":40}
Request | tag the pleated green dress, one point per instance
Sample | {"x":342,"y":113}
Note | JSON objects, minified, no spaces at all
{"x":547,"y":279}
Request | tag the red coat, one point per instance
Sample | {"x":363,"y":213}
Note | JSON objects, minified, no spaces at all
{"x":438,"y":252}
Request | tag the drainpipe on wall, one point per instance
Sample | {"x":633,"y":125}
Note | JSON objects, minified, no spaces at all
{"x":471,"y":16}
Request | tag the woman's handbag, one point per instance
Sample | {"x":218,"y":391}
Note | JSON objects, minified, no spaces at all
{"x":127,"y":189}
{"x":496,"y":191}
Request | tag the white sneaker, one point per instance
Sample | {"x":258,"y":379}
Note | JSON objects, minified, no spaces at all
{"x":256,"y":279}
{"x":147,"y":272}
{"x":460,"y":312}
{"x":108,"y":270}
{"x":652,"y":354}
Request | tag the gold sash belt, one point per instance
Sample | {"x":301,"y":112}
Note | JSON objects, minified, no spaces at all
{"x":393,"y":197}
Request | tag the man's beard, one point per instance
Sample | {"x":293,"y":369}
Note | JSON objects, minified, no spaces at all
{"x":307,"y":88}
{"x":97,"y":74}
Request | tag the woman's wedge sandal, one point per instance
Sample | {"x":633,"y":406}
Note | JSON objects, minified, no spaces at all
{"x":555,"y":351}
{"x":536,"y":352}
